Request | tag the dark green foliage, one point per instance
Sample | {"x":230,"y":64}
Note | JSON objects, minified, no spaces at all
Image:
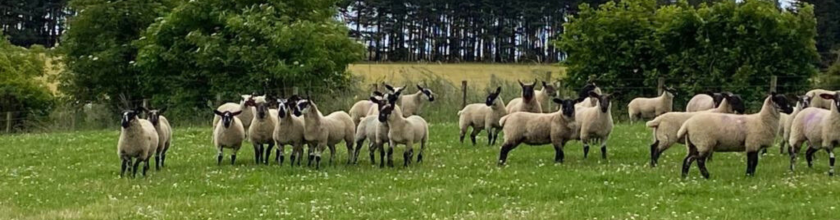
{"x":21,"y":90}
{"x":828,"y":27}
{"x":726,"y":46}
{"x":29,"y":22}
{"x":210,"y":47}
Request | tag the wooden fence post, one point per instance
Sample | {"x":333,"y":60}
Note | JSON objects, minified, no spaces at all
{"x":464,"y":96}
{"x":548,"y":82}
{"x":295,"y":90}
{"x":660,"y":87}
{"x":773,"y":80}
{"x":8,"y":122}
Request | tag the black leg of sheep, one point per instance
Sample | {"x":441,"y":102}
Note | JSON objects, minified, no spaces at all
{"x":830,"y":151}
{"x":135,"y":167}
{"x":267,"y":151}
{"x":146,"y":166}
{"x":381,"y":156}
{"x":503,"y":154}
{"x":701,"y":164}
{"x":558,"y":153}
{"x":752,"y":162}
{"x":258,"y":153}
{"x":124,"y":167}
{"x":809,"y":156}
{"x":157,"y":160}
{"x":654,"y":153}
{"x":585,"y":150}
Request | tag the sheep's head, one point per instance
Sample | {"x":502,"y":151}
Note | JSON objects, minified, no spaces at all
{"x":717,"y":98}
{"x":527,"y":90}
{"x":804,"y":101}
{"x":378,"y":98}
{"x":427,"y":92}
{"x":385,"y":111}
{"x":736,"y":102}
{"x":567,"y":106}
{"x":394,"y":90}
{"x":603,"y":100}
{"x":493,"y":96}
{"x":548,"y":88}
{"x":227,"y":116}
{"x":282,"y":108}
{"x":781,"y":103}
{"x":154,"y":115}
{"x":262,"y":109}
{"x":248,"y":100}
{"x":584,"y":92}
{"x":131,"y":115}
{"x":303,"y":106}
{"x":670,"y":90}
{"x":835,"y":99}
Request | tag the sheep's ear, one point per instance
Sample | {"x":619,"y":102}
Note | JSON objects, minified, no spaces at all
{"x":498,"y":90}
{"x":535,"y":82}
{"x":520,"y":83}
{"x":593,"y":94}
{"x":419,"y":87}
{"x":377,"y":93}
{"x":557,"y":100}
{"x":389,"y":87}
{"x":545,"y":84}
{"x":828,"y":96}
{"x":235,"y":113}
{"x":217,"y":112}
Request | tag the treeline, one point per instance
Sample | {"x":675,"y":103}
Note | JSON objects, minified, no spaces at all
{"x":29,"y":22}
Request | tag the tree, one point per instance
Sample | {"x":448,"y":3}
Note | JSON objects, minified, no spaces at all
{"x":98,"y":50}
{"x":29,"y":22}
{"x":21,"y":90}
{"x":210,"y":47}
{"x":828,"y":27}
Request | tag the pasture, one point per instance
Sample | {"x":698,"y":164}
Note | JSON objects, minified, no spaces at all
{"x":76,"y":176}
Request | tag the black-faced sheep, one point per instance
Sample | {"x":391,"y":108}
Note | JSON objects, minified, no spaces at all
{"x":595,"y":123}
{"x":164,"y":131}
{"x":413,"y":104}
{"x":406,"y":131}
{"x":483,"y":116}
{"x":820,"y":128}
{"x":527,"y":103}
{"x":542,"y":96}
{"x":261,"y":131}
{"x":325,"y":131}
{"x":228,"y":133}
{"x":817,"y":101}
{"x":138,"y":141}
{"x":702,"y":102}
{"x":537,"y":129}
{"x":288,"y":131}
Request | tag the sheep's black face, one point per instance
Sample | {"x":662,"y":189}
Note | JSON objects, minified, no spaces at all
{"x":605,"y":102}
{"x":805,"y":101}
{"x":737,"y":104}
{"x":227,"y":117}
{"x":491,"y":98}
{"x":262,"y":110}
{"x":717,"y":98}
{"x":527,"y":91}
{"x":302,"y":105}
{"x":567,"y":106}
{"x":781,"y":103}
{"x":154,"y":117}
{"x":392,"y":98}
{"x":548,"y":88}
{"x":282,"y":110}
{"x":384,"y":112}
{"x":584,"y":92}
{"x":428,"y":93}
{"x":127,"y":117}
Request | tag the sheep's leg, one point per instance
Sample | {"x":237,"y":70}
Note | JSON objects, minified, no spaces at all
{"x":408,"y":153}
{"x":310,"y":154}
{"x":219,"y":157}
{"x":135,"y":167}
{"x":391,"y":154}
{"x":332,"y":153}
{"x":809,"y":156}
{"x":267,"y":155}
{"x":358,"y":150}
{"x":422,"y":148}
{"x":146,"y":166}
{"x":371,"y":151}
{"x":474,"y":133}
{"x":558,"y":153}
{"x":701,"y":164}
{"x":689,"y":158}
{"x":463,"y":133}
{"x":752,"y":162}
{"x":496,"y":135}
{"x":233,"y":155}
{"x":793,"y":151}
{"x":503,"y":154}
{"x":157,"y":160}
{"x":257,"y":153}
{"x":280,"y":155}
{"x":163,"y":155}
{"x":318,"y":151}
{"x":830,"y":151}
{"x":381,"y":155}
{"x":654,"y":153}
{"x":489,"y":136}
{"x":123,"y":167}
{"x":604,"y":148}
{"x":585,"y":149}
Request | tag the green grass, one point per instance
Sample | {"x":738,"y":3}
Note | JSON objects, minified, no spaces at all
{"x":76,"y":176}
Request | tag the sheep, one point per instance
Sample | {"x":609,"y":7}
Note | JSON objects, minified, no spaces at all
{"x":651,"y":107}
{"x":483,"y":116}
{"x":261,"y":131}
{"x":245,"y":106}
{"x":138,"y":139}
{"x":371,"y":128}
{"x":542,"y":96}
{"x":817,"y":101}
{"x":702,"y":102}
{"x":595,"y":123}
{"x":538,"y":129}
{"x":730,"y":103}
{"x":365,"y":107}
{"x":819,"y":128}
{"x":665,"y":128}
{"x":325,"y":131}
{"x":404,"y":130}
{"x":527,"y":103}
{"x":587,"y":101}
{"x":786,"y":121}
{"x":708,"y":132}
{"x":228,"y":133}
{"x":164,"y":131}
{"x":412,"y":104}
{"x":288,"y":130}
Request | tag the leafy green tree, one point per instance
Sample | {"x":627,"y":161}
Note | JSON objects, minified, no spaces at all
{"x":98,"y":49}
{"x":210,"y":47}
{"x":21,"y":89}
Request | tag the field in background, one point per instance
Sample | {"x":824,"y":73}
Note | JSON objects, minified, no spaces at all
{"x":75,"y":176}
{"x":454,"y":73}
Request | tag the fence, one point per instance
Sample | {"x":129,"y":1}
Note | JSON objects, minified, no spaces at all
{"x":450,"y":97}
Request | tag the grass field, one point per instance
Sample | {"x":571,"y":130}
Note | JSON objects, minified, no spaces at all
{"x":476,"y":73}
{"x":75,"y":176}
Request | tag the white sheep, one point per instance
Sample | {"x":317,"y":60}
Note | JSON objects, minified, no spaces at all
{"x":364,"y":108}
{"x":730,"y":103}
{"x":371,"y":128}
{"x":406,"y":131}
{"x":596,"y":123}
{"x":786,"y":121}
{"x":413,"y":104}
{"x":817,"y":101}
{"x":138,"y":139}
{"x":164,"y":131}
{"x":709,"y":132}
{"x":325,"y":131}
{"x":228,"y":133}
{"x":702,"y":102}
{"x":542,"y":96}
{"x":483,"y":116}
{"x":245,"y":106}
{"x":288,"y":131}
{"x":261,"y":131}
{"x":645,"y":108}
{"x":527,"y":103}
{"x":665,"y":129}
{"x":587,"y":101}
{"x":539,"y":129}
{"x":819,"y":127}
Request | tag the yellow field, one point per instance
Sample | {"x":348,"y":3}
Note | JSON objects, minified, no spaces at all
{"x":455,"y":73}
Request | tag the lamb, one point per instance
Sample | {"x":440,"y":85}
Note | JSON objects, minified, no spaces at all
{"x":364,"y":107}
{"x":164,"y":132}
{"x":406,"y":131}
{"x":596,"y":123}
{"x":702,"y":102}
{"x":245,"y":106}
{"x":651,"y":107}
{"x":325,"y":131}
{"x":708,"y":132}
{"x":261,"y":131}
{"x":786,"y":121}
{"x":138,"y":139}
{"x":820,"y":128}
{"x":816,"y":99}
{"x":412,"y":104}
{"x":483,"y":116}
{"x":288,"y":130}
{"x":527,"y":103}
{"x":371,"y":128}
{"x":665,"y":128}
{"x":538,"y":129}
{"x":228,"y":133}
{"x":542,"y":96}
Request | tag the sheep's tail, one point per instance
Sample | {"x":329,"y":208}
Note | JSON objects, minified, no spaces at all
{"x":653,"y":123}
{"x":460,"y":112}
{"x":502,"y":121}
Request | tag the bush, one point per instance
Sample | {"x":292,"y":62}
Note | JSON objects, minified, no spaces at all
{"x":21,"y":90}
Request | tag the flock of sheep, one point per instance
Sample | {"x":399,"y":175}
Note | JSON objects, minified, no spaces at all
{"x":712,"y":123}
